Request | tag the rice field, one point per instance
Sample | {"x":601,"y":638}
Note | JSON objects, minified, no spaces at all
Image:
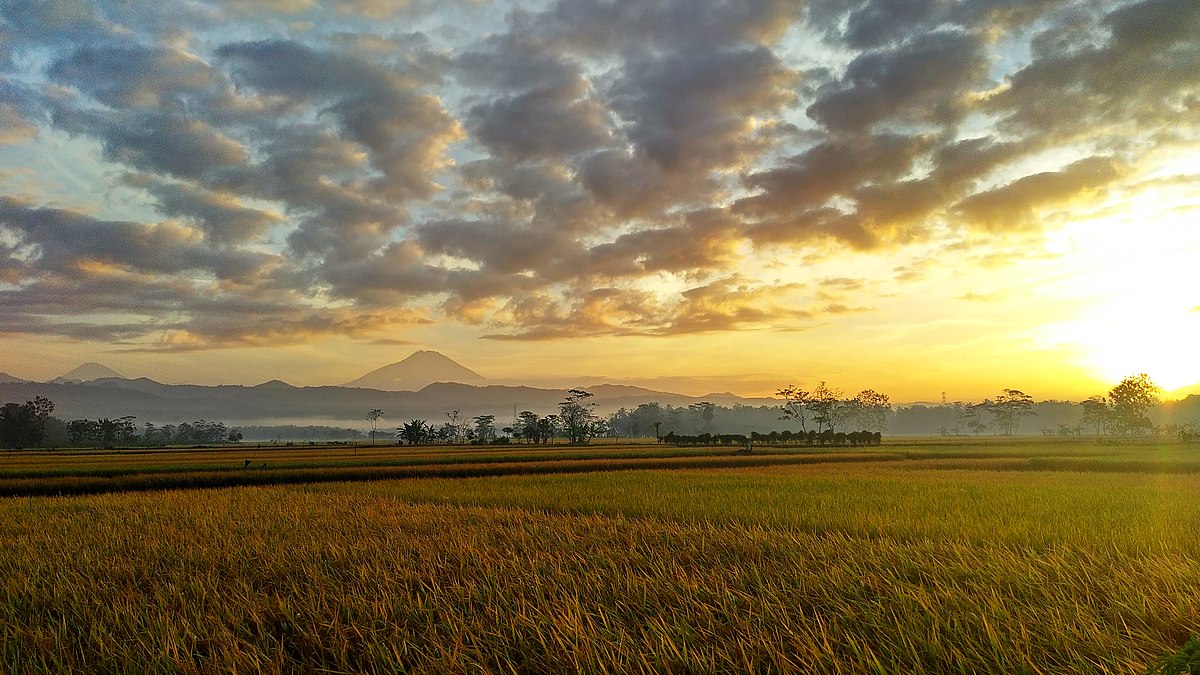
{"x":917,"y":557}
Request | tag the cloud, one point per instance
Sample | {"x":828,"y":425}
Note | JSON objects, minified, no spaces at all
{"x":1139,"y":79}
{"x":131,"y":76}
{"x":1013,"y":205}
{"x":14,"y":128}
{"x":65,"y":240}
{"x":223,"y":217}
{"x":925,"y":79}
{"x":695,"y":111}
{"x":179,"y":146}
{"x":325,"y":165}
{"x":549,"y":122}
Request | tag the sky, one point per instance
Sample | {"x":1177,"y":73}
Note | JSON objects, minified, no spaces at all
{"x":923,"y":197}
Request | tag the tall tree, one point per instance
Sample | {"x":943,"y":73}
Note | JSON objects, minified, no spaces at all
{"x":828,"y":408}
{"x":795,"y":404}
{"x":1096,"y":413}
{"x":526,"y":426}
{"x":578,"y":420}
{"x":705,"y":410}
{"x":1130,"y":400}
{"x":485,"y":428}
{"x":374,"y":414}
{"x":455,"y":427}
{"x":1009,"y":407}
{"x":872,"y":408}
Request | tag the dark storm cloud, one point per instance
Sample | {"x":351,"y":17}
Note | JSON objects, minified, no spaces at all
{"x":878,"y":23}
{"x":292,"y":69}
{"x":406,"y":130}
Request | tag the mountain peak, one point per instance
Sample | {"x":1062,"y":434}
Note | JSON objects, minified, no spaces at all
{"x":420,"y":369}
{"x":87,"y":372}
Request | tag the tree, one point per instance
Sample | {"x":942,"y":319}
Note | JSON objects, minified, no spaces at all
{"x":1129,"y":402}
{"x":1009,"y":407}
{"x":528,"y":426}
{"x":415,"y":432}
{"x":872,"y":408}
{"x":578,"y":420}
{"x":23,"y":425}
{"x":455,"y":428}
{"x":706,"y":411}
{"x":485,"y":428}
{"x":1096,"y":413}
{"x":828,"y":408}
{"x":548,"y":427}
{"x":795,"y":404}
{"x":374,"y":414}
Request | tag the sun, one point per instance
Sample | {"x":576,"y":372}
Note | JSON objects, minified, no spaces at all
{"x":1165,"y":348}
{"x":1132,"y":277}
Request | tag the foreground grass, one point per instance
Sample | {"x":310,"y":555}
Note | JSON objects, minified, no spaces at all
{"x":437,"y":590}
{"x":902,"y":566}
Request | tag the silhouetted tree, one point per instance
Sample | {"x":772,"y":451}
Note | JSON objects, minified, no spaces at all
{"x":1009,"y":407}
{"x":415,"y":432}
{"x":374,"y":414}
{"x":706,"y":411}
{"x":485,"y":428}
{"x":23,"y":425}
{"x":575,"y":413}
{"x":1130,"y":400}
{"x":454,"y":429}
{"x":871,"y":408}
{"x":527,"y":426}
{"x":828,"y":408}
{"x":1096,"y":413}
{"x":795,"y":404}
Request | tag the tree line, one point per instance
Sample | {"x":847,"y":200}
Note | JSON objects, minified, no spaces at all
{"x":576,"y":422}
{"x":31,"y":425}
{"x":1124,"y":409}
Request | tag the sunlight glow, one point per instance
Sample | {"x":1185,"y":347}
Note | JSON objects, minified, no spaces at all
{"x":1132,"y":270}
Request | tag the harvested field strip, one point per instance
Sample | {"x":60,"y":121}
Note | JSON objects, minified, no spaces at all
{"x":191,"y":479}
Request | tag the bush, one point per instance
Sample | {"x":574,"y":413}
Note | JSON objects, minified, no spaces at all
{"x":1184,"y":661}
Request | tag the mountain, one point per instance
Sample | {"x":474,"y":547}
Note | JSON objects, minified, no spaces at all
{"x":420,"y":370}
{"x":6,"y":378}
{"x":86,"y":373}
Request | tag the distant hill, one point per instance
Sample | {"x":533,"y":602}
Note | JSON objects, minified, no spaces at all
{"x":276,"y":402}
{"x":6,"y":378}
{"x":416,"y":372}
{"x":88,"y":372}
